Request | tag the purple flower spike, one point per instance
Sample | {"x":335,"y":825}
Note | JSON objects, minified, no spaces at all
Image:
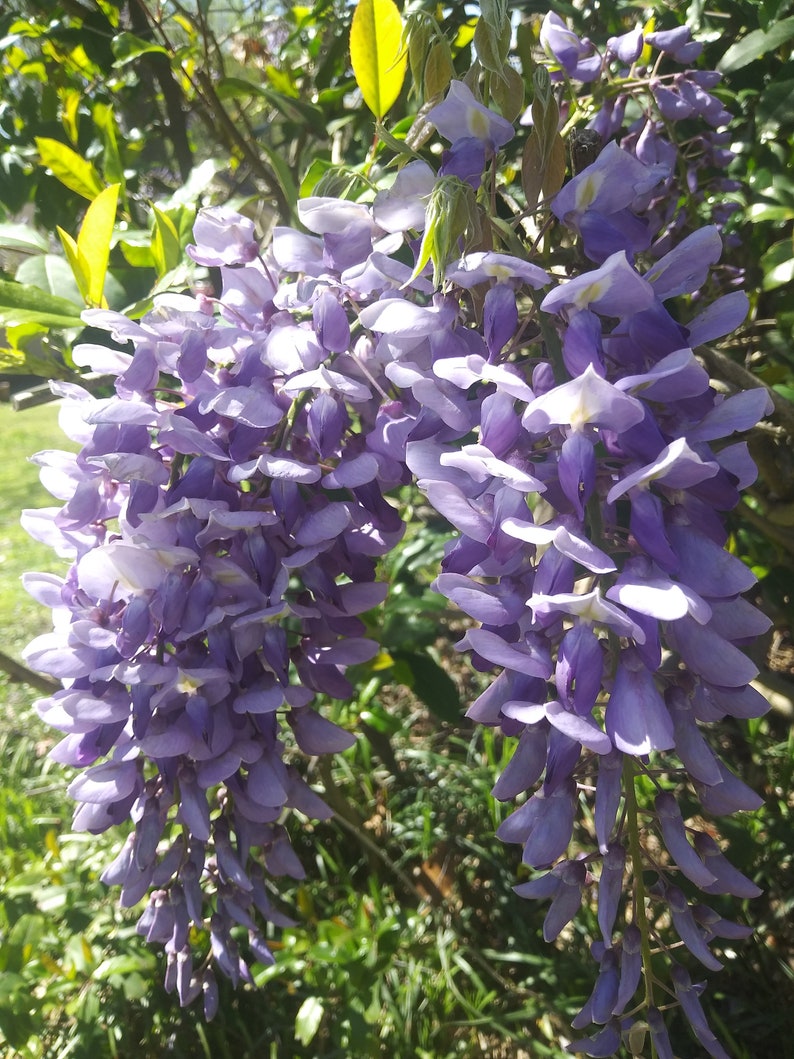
{"x":230,"y":504}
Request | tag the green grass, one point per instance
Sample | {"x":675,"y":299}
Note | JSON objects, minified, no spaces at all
{"x":21,"y":435}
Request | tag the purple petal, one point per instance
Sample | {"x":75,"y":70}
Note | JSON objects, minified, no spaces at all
{"x":637,"y":720}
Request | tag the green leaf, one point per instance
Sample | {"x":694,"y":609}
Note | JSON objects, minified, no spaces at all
{"x":21,"y":304}
{"x":77,"y":262}
{"x":112,"y":166}
{"x":22,"y":237}
{"x":432,"y":684}
{"x":756,"y":44}
{"x":93,"y":241}
{"x":70,"y":106}
{"x":376,"y":53}
{"x":315,"y":172}
{"x":126,"y":47}
{"x":166,"y":249}
{"x":307,"y":1021}
{"x":778,"y":265}
{"x":282,"y":171}
{"x":74,"y":171}
{"x":295,"y":110}
{"x":51,"y":274}
{"x":492,"y":44}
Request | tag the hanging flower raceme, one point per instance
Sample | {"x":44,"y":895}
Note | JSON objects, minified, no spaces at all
{"x":622,"y":648}
{"x":227,"y":509}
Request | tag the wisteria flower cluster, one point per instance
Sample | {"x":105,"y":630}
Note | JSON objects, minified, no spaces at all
{"x":226,"y":512}
{"x":639,"y":88}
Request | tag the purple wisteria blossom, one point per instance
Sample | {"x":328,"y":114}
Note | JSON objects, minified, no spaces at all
{"x":227,"y":509}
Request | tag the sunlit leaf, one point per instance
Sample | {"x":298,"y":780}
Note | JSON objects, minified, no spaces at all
{"x":93,"y":241}
{"x":376,"y":53}
{"x":77,"y":262}
{"x":112,"y":166}
{"x":308,"y":1019}
{"x":70,"y":102}
{"x":74,"y":171}
{"x":21,"y":304}
{"x":756,"y":44}
{"x":166,"y":249}
{"x":126,"y":47}
{"x":21,"y":237}
{"x":51,"y":274}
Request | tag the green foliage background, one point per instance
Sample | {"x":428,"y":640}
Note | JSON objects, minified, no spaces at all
{"x":408,"y":939}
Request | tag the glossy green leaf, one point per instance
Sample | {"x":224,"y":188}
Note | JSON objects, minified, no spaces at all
{"x":756,"y":44}
{"x":73,"y":171}
{"x":377,"y":54}
{"x":778,"y":265}
{"x":51,"y":274}
{"x":112,"y":167}
{"x":21,"y":304}
{"x":93,"y":241}
{"x":432,"y":684}
{"x":77,"y":263}
{"x":126,"y":47}
{"x":307,"y":1021}
{"x":166,"y":249}
{"x":22,"y":237}
{"x":315,"y":172}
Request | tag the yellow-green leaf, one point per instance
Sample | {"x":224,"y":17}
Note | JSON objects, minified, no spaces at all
{"x":112,"y":167}
{"x":377,"y":54}
{"x":166,"y":249}
{"x":77,"y":263}
{"x":75,"y":172}
{"x":70,"y":102}
{"x":93,"y":241}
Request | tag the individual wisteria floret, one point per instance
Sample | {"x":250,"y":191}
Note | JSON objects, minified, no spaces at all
{"x":226,"y":512}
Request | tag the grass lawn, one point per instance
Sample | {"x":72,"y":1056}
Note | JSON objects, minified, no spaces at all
{"x":21,"y":435}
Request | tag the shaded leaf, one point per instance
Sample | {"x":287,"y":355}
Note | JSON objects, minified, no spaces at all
{"x":51,"y":274}
{"x":431,"y":684}
{"x":439,"y":70}
{"x":756,"y":44}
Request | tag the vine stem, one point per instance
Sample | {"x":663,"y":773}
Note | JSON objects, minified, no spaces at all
{"x":635,"y":852}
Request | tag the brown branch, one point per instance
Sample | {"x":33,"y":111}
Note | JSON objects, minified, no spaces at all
{"x":722,"y":366}
{"x":20,"y":674}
